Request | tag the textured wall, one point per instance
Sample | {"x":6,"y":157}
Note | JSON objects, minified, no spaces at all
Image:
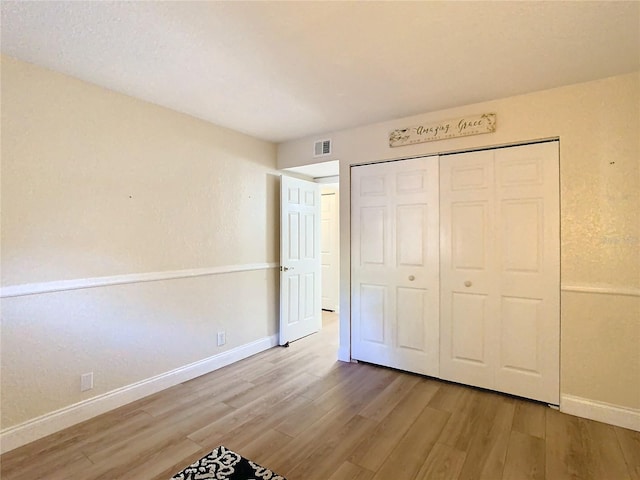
{"x":98,"y":183}
{"x":94,"y":184}
{"x":124,"y":334}
{"x":601,"y":347}
{"x":598,"y":124}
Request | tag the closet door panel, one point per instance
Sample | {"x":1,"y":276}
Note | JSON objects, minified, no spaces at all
{"x":468,"y":300}
{"x":394,"y":238}
{"x":527,"y":222}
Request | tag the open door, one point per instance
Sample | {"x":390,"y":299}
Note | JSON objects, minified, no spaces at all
{"x":330,"y":248}
{"x":300,"y":269}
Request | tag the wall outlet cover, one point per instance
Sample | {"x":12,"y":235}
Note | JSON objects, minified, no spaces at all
{"x":86,"y":381}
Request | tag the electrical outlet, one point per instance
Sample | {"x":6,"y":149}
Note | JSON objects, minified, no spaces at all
{"x":222,"y":338}
{"x":86,"y":381}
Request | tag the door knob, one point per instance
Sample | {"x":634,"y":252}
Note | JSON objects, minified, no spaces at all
{"x":467,"y":283}
{"x":411,"y":278}
{"x":285,"y":269}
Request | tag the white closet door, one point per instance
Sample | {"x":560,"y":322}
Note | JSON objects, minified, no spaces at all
{"x":394,"y":244}
{"x":469,"y":282}
{"x":500,"y":270}
{"x":528,"y":243}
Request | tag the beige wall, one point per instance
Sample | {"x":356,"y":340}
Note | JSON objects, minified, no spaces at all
{"x":598,"y":124}
{"x":97,"y":184}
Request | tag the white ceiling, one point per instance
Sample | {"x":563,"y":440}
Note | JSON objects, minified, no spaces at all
{"x":284,"y":70}
{"x":319,"y":171}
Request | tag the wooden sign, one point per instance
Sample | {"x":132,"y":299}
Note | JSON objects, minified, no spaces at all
{"x":459,"y":127}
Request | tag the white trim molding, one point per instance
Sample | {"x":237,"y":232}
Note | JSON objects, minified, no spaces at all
{"x":600,"y":411}
{"x":327,"y":180}
{"x":602,"y":290}
{"x":80,"y":283}
{"x":53,"y":422}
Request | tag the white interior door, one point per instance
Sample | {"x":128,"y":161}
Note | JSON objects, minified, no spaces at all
{"x":300,"y":310}
{"x":330,"y":249}
{"x":394,"y":244}
{"x":500,"y":270}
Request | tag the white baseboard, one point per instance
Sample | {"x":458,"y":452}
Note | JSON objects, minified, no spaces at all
{"x":602,"y":412}
{"x":53,"y":422}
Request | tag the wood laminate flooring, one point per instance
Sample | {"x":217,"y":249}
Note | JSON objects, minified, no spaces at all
{"x":306,"y":416}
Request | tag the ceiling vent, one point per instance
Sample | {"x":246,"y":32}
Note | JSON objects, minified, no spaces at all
{"x":322,"y":148}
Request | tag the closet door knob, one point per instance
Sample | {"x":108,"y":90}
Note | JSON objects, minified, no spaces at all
{"x":411,"y":278}
{"x":468,"y":283}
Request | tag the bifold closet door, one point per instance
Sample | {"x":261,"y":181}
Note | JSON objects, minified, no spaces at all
{"x":395,"y":261}
{"x":500,"y":270}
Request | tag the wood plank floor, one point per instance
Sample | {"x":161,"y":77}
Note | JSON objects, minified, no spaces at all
{"x":306,"y":416}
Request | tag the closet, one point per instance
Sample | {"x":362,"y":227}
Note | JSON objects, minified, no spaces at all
{"x":455,"y":267}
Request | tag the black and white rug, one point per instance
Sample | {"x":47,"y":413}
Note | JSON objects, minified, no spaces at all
{"x":224,"y":464}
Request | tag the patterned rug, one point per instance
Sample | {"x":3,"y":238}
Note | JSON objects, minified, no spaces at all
{"x":224,"y":464}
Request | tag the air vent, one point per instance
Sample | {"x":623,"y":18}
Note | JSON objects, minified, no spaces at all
{"x":322,"y":148}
